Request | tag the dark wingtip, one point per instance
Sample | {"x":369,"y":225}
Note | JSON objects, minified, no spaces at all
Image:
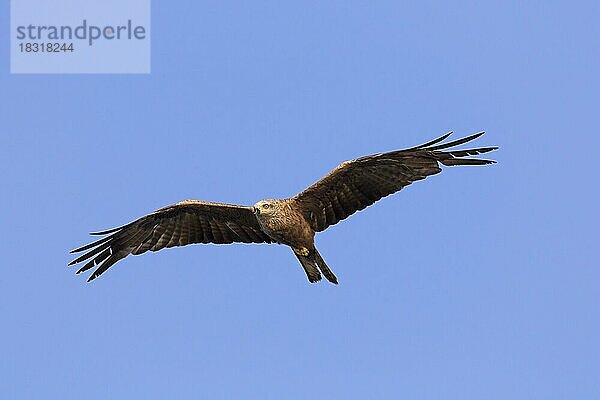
{"x":106,"y":232}
{"x":93,"y":244}
{"x":113,"y":230}
{"x":432,"y":142}
{"x":486,"y":149}
{"x":457,"y":142}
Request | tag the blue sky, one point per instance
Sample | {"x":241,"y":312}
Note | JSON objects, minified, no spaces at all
{"x":476,"y":283}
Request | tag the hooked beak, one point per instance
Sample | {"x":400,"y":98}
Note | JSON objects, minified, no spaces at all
{"x":255,"y":210}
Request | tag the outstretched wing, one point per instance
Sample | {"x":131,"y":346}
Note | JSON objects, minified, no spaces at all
{"x":180,"y":224}
{"x":358,"y":183}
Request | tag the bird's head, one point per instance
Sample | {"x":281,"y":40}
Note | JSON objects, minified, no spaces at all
{"x":266,"y":207}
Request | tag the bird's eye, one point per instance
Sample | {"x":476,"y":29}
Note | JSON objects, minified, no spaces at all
{"x":266,"y":206}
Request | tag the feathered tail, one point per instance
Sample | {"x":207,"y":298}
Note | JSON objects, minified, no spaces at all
{"x":314,"y":265}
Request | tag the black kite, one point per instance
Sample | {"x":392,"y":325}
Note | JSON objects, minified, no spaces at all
{"x":350,"y":187}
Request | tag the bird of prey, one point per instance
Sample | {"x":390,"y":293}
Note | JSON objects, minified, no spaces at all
{"x":350,"y":187}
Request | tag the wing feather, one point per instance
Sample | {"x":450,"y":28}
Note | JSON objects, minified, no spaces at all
{"x":358,"y":183}
{"x":180,"y":224}
{"x":174,"y":234}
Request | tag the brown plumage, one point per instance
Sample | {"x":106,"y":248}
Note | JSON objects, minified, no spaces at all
{"x":350,"y":187}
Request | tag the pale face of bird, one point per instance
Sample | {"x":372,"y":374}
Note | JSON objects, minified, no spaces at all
{"x":266,"y":207}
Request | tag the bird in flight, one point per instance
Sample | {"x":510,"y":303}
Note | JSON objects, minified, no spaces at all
{"x":350,"y":187}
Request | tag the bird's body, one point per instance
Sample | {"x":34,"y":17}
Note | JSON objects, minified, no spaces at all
{"x":350,"y":187}
{"x":281,"y":220}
